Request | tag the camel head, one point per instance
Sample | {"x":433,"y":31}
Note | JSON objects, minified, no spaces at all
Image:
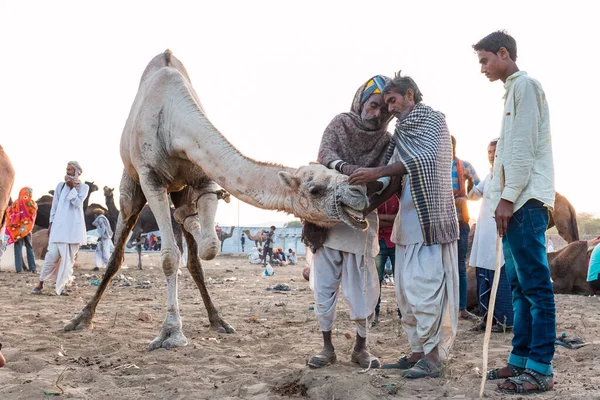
{"x":108,"y":192}
{"x":323,"y":196}
{"x":93,"y":187}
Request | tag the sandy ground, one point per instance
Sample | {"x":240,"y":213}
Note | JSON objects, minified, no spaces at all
{"x":265,"y":359}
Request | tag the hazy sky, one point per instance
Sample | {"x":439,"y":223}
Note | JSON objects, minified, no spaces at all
{"x":271,"y":75}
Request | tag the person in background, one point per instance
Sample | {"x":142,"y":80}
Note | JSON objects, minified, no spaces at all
{"x":593,"y":278}
{"x":483,"y":257}
{"x":243,"y":241}
{"x":268,"y":246}
{"x":386,"y":214}
{"x":464,"y":178}
{"x":66,"y":231}
{"x":20,"y":219}
{"x":292,"y":257}
{"x":105,"y":234}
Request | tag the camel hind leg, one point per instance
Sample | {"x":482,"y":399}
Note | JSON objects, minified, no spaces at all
{"x":132,"y":201}
{"x":196,"y":208}
{"x":195,"y":268}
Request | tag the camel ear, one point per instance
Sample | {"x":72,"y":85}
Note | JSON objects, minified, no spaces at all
{"x":288,"y":180}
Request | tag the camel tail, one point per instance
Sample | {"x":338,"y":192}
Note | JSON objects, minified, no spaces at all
{"x":168,"y":53}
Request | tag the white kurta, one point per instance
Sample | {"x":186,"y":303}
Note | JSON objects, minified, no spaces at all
{"x":483,"y":252}
{"x":66,"y":215}
{"x":67,"y":234}
{"x":426,"y":283}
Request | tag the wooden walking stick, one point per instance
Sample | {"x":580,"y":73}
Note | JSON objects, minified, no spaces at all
{"x":490,"y":314}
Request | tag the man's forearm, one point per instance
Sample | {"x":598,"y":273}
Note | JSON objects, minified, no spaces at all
{"x":395,"y":169}
{"x":378,"y":200}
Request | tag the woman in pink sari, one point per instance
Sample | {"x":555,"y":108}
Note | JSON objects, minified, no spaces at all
{"x":19,"y":223}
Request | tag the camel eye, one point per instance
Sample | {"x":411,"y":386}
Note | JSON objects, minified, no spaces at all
{"x":318,"y":190}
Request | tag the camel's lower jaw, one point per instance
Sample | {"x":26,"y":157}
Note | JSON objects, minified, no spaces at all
{"x":354,"y":218}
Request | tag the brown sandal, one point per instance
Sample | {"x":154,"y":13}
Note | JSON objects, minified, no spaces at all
{"x":322,"y":359}
{"x":365,"y":359}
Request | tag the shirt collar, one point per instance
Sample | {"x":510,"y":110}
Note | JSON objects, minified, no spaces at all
{"x":511,"y":80}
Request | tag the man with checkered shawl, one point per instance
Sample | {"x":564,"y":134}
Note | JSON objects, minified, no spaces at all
{"x":425,"y":230}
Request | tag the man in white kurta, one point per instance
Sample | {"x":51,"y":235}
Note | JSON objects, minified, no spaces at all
{"x":425,"y":230}
{"x":67,"y":229}
{"x":104,"y":245}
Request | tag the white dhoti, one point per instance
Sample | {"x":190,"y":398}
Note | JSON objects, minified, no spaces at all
{"x":427,"y":293}
{"x":334,"y":267}
{"x":58,"y":264}
{"x":103,"y":249}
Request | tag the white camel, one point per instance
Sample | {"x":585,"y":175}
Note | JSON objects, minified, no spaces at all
{"x":169,"y":146}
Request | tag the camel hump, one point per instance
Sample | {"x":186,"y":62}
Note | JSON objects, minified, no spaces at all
{"x":168,"y":54}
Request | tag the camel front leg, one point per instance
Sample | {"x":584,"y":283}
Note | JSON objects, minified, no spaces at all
{"x":132,"y":201}
{"x":171,"y":334}
{"x":195,"y":268}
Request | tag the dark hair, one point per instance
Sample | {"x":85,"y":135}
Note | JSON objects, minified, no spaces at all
{"x":493,"y":142}
{"x":272,"y":226}
{"x":497,"y":40}
{"x":401,"y":84}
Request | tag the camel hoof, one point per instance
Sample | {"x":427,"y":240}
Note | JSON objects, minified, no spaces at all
{"x":79,"y":323}
{"x":176,"y":339}
{"x":223,"y":327}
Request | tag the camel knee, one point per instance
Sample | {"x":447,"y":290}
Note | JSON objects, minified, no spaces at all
{"x":170,"y":261}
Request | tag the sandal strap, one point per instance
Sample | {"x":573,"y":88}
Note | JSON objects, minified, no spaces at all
{"x":495,"y":373}
{"x":537,"y":379}
{"x":518,"y":382}
{"x":514,"y":370}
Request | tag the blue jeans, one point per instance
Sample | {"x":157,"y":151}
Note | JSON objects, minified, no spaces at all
{"x":527,"y":269}
{"x":380,"y":261}
{"x":19,"y":254}
{"x":463,"y":247}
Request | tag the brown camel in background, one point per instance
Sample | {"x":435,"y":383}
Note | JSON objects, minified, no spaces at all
{"x":257,"y":238}
{"x":7,"y":178}
{"x":113,"y":212}
{"x":222,"y":235}
{"x":39,"y":242}
{"x":566,"y":275}
{"x":564,"y":218}
{"x":569,"y":267}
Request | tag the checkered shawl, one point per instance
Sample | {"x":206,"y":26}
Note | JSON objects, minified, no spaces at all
{"x":425,"y":149}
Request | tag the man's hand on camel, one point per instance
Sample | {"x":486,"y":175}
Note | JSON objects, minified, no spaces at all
{"x":374,"y":187}
{"x":503,"y":214}
{"x":363,"y":176}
